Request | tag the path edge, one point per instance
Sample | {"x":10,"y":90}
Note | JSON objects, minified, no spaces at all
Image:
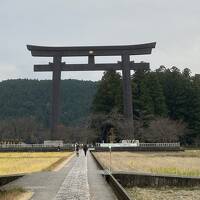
{"x":118,"y":189}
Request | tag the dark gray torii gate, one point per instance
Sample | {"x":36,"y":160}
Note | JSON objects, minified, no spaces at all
{"x":91,"y":51}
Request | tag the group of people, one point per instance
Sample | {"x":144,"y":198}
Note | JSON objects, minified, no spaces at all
{"x":77,"y":148}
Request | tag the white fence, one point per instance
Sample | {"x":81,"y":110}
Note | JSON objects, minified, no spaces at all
{"x":119,"y":144}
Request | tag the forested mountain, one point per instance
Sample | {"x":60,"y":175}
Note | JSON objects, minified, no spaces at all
{"x":24,"y":98}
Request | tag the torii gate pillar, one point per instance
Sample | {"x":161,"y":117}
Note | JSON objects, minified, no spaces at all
{"x":55,"y":95}
{"x":127,"y":95}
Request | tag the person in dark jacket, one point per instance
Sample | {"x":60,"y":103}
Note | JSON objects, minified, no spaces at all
{"x":77,"y":149}
{"x":85,"y":148}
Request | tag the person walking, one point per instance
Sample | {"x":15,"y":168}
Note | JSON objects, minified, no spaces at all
{"x":77,"y":149}
{"x":85,"y":148}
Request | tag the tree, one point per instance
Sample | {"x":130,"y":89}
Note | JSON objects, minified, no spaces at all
{"x":186,"y":73}
{"x":148,"y":97}
{"x":109,"y":93}
{"x":142,"y":101}
{"x":157,"y":95}
{"x":25,"y":129}
{"x":80,"y":135}
{"x":193,"y":111}
{"x":176,"y":89}
{"x":164,"y":130}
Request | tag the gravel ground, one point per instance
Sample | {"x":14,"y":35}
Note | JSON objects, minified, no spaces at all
{"x":164,"y":193}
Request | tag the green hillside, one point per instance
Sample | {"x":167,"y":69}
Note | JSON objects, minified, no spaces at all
{"x":24,"y":98}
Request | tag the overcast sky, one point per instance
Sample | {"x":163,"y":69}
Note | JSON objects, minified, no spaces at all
{"x":174,"y":25}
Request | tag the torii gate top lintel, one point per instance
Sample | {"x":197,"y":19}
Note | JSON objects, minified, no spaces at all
{"x":43,"y":51}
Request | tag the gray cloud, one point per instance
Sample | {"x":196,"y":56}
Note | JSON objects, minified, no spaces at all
{"x":173,"y":25}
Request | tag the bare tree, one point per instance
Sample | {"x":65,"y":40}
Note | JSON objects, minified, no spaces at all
{"x":164,"y":130}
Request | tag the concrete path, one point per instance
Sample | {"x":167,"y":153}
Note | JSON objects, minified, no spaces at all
{"x":75,"y":185}
{"x":80,"y":179}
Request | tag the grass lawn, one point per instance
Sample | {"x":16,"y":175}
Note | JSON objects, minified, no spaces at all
{"x":178,"y":163}
{"x":17,"y":163}
{"x":164,"y":193}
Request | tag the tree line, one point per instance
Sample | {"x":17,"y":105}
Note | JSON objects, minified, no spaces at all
{"x":166,"y":104}
{"x":166,"y":108}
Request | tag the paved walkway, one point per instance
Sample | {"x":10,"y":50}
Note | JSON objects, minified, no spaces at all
{"x":75,"y":185}
{"x":80,"y":179}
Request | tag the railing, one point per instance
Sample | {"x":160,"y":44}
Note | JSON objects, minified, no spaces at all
{"x":177,"y":144}
{"x":34,"y":146}
{"x":72,"y":145}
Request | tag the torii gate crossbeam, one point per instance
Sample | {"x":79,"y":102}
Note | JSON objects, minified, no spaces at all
{"x":91,"y":52}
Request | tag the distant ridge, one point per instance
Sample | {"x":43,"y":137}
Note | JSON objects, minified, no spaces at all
{"x":23,"y":97}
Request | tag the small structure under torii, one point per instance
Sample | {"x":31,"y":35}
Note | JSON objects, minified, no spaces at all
{"x":91,"y":52}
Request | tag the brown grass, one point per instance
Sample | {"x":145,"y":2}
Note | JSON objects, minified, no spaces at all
{"x":164,"y":193}
{"x":18,"y":163}
{"x":57,"y":164}
{"x":14,"y":194}
{"x":178,"y":163}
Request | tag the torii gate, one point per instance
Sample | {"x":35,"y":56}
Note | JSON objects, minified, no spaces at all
{"x":91,"y":52}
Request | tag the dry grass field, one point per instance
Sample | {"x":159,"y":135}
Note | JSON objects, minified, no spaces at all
{"x":164,"y":193}
{"x":15,"y":194}
{"x":178,"y":163}
{"x":17,"y":163}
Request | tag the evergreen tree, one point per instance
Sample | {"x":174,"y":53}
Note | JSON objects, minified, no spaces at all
{"x":142,"y":101}
{"x":109,"y":93}
{"x":156,"y":94}
{"x":175,"y":88}
{"x":193,"y":111}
